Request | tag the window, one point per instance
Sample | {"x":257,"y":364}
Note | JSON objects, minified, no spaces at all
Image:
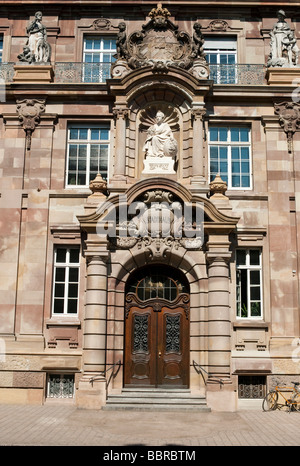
{"x":60,"y":386}
{"x":66,"y":280}
{"x":221,"y":53}
{"x":248,"y":283}
{"x":229,"y":154}
{"x":252,"y":386}
{"x":87,"y":154}
{"x":98,"y":54}
{"x":1,"y":47}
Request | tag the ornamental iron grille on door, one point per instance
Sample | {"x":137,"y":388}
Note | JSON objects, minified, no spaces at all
{"x":157,"y":331}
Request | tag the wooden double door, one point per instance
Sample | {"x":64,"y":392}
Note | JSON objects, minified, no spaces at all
{"x":157,"y":342}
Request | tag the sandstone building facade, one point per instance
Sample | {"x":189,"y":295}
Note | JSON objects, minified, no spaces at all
{"x":149,"y":203}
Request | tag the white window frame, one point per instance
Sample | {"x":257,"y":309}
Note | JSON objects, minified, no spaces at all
{"x":88,"y":142}
{"x":248,"y":267}
{"x":218,"y":50}
{"x":97,"y":70}
{"x":66,"y":265}
{"x":231,"y":144}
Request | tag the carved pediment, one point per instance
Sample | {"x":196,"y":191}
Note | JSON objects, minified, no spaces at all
{"x":159,"y":44}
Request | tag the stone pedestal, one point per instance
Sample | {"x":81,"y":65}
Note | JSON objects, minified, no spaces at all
{"x":282,"y":76}
{"x":91,"y":394}
{"x":159,"y":165}
{"x":25,"y":73}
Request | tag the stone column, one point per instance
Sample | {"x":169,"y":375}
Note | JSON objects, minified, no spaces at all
{"x":219,"y":329}
{"x":198,"y":152}
{"x":220,"y":396}
{"x":120,"y":114}
{"x":92,"y":387}
{"x":94,"y":333}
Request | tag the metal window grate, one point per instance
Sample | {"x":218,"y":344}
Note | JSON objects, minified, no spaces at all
{"x":60,"y":386}
{"x":252,"y":386}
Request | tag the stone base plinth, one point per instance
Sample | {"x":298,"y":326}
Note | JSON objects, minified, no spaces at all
{"x":33,"y":73}
{"x":91,"y":394}
{"x":158,"y":165}
{"x":221,"y":397}
{"x":282,"y":76}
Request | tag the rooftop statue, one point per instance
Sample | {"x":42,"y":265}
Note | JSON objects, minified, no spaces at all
{"x":37,"y":49}
{"x":283,"y":44}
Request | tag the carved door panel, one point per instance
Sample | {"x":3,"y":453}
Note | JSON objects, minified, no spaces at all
{"x":173,"y":347}
{"x":156,"y":343}
{"x":140,"y":342}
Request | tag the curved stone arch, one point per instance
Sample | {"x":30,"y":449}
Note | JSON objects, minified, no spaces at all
{"x":124,"y":264}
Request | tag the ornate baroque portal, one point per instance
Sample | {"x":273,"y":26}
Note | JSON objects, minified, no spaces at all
{"x":157,"y":249}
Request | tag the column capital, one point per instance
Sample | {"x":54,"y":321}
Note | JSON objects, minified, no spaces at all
{"x":213,"y":257}
{"x":198,"y":112}
{"x":120,"y":112}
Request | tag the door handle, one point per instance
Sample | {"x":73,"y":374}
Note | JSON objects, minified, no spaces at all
{"x":159,"y":354}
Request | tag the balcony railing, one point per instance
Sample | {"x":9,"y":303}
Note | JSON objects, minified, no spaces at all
{"x":243,"y":75}
{"x":82,"y":72}
{"x":75,"y":73}
{"x":6,"y":72}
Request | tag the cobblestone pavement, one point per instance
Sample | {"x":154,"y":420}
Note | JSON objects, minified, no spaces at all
{"x":65,"y":425}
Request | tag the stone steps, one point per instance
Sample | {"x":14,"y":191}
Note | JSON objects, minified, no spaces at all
{"x":155,"y":400}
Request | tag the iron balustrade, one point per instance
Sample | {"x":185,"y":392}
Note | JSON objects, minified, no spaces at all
{"x":239,"y":74}
{"x":89,"y":73}
{"x":6,"y":72}
{"x":75,"y":73}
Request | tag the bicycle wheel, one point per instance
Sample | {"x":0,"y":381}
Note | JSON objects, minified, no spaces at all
{"x":295,"y":405}
{"x":270,"y":401}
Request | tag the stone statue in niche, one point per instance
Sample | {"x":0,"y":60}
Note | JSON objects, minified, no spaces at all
{"x":284,"y":50}
{"x":37,"y":49}
{"x":160,"y":146}
{"x":160,"y":141}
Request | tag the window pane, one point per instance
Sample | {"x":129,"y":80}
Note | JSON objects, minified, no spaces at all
{"x":213,"y":132}
{"x":254,"y":257}
{"x":59,"y":290}
{"x":254,"y":277}
{"x":244,"y":134}
{"x":236,"y":182}
{"x":74,"y":133}
{"x":255,"y":310}
{"x":235,"y":134}
{"x":245,"y":181}
{"x":241,"y":257}
{"x":95,"y":134}
{"x":58,"y":307}
{"x":222,"y":134}
{"x":73,"y":274}
{"x":72,"y":306}
{"x":73,"y":290}
{"x":60,"y":274}
{"x":255,"y":293}
{"x":61,"y":255}
{"x":104,"y":134}
{"x":83,"y":133}
{"x":74,"y":255}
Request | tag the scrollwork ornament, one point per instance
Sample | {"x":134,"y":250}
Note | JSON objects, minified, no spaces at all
{"x":29,"y":111}
{"x":289,"y":119}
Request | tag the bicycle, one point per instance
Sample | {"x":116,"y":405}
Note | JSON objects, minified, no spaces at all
{"x":271,"y":400}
